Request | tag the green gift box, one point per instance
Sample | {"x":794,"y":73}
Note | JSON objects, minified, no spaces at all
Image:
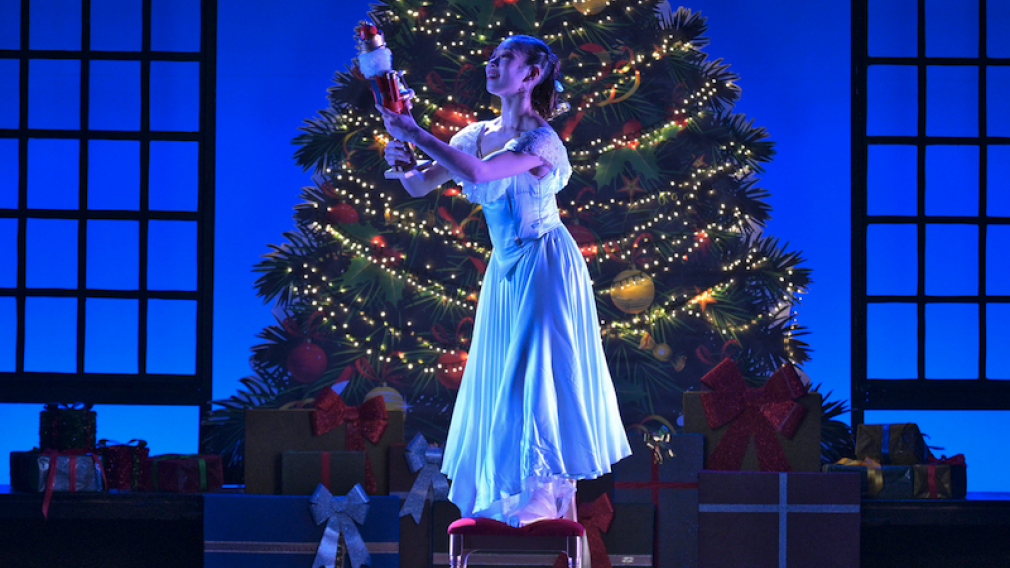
{"x":940,"y":480}
{"x":339,"y":472}
{"x":271,"y":432}
{"x":881,"y":482}
{"x":890,"y":444}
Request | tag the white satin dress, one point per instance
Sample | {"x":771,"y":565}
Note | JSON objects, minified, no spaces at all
{"x":536,"y":407}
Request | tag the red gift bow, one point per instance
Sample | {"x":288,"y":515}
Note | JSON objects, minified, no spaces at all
{"x":368,"y":421}
{"x":932,"y":462}
{"x":596,"y":518}
{"x":71,"y":472}
{"x":760,"y":412}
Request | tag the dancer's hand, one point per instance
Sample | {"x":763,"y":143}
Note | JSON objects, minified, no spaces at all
{"x":400,"y":126}
{"x":396,"y":151}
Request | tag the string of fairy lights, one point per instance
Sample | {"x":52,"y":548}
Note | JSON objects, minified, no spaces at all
{"x":735,"y":160}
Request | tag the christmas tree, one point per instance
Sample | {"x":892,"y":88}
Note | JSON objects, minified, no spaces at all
{"x":378,"y":290}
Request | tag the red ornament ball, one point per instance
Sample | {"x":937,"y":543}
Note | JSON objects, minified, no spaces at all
{"x":342,"y":214}
{"x":306,"y":362}
{"x":585,"y":239}
{"x":450,"y":371}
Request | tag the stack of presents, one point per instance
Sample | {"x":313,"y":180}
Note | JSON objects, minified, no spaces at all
{"x":336,"y":485}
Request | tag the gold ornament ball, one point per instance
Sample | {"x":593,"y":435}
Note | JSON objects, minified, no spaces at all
{"x":392,"y":397}
{"x":590,"y":7}
{"x":632,"y":291}
{"x":662,"y":352}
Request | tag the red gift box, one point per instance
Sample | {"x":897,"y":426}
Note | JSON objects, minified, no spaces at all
{"x":186,"y":474}
{"x":772,"y":520}
{"x":127,"y":466}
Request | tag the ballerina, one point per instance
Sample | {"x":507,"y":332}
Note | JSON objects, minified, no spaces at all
{"x":536,"y":408}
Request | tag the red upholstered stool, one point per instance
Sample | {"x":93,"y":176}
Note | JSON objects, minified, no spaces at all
{"x":467,"y":536}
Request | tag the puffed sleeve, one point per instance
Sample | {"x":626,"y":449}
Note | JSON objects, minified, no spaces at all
{"x":481,"y":193}
{"x":546,"y":143}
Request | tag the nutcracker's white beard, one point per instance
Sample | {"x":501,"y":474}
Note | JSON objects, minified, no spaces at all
{"x":374,"y":63}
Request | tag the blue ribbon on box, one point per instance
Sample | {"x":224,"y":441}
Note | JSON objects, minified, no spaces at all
{"x":341,"y":515}
{"x":428,"y":460}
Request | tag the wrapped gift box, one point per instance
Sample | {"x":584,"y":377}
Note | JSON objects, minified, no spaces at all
{"x":74,"y":472}
{"x":186,"y":474}
{"x":672,"y":488}
{"x":877,"y":481}
{"x":761,"y":519}
{"x":890,"y":444}
{"x":278,"y":531}
{"x":127,"y":466}
{"x":268,"y":433}
{"x":947,"y":479}
{"x":628,"y":540}
{"x":302,"y":472}
{"x":67,"y":427}
{"x":427,"y":484}
{"x":758,"y":421}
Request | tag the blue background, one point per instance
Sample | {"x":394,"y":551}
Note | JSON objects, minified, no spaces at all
{"x":275,"y":61}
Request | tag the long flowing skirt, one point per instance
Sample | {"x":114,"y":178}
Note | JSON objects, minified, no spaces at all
{"x":536,"y":408}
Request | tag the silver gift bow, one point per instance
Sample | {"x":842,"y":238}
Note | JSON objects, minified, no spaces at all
{"x":341,"y":515}
{"x":427,"y":459}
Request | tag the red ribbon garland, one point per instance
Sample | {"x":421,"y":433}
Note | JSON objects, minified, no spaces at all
{"x":368,"y":421}
{"x":762,"y":412}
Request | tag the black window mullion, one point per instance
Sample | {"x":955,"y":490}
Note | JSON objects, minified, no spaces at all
{"x":19,"y":356}
{"x":858,"y":199}
{"x":82,"y":185}
{"x":145,"y":176}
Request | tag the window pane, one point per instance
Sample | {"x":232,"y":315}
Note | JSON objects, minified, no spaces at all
{"x":53,"y":174}
{"x":997,"y":269}
{"x":892,"y":260}
{"x":952,"y":341}
{"x":110,"y":336}
{"x":973,"y":433}
{"x":166,"y":429}
{"x":891,"y":180}
{"x":54,"y":94}
{"x":171,"y":337}
{"x":951,"y":101}
{"x":116,"y":25}
{"x":997,"y":184}
{"x":8,"y":335}
{"x":893,"y":28}
{"x":10,"y":24}
{"x":892,"y":345}
{"x":51,"y":248}
{"x":997,"y":85}
{"x":114,"y":102}
{"x":54,"y":24}
{"x":891,"y":100}
{"x":9,"y":173}
{"x":113,"y":255}
{"x":997,"y":337}
{"x":952,"y":180}
{"x":17,"y":439}
{"x":174,"y":180}
{"x":951,"y":260}
{"x":175,"y":25}
{"x":175,"y":90}
{"x":171,"y":255}
{"x":114,"y":174}
{"x":952,"y":29}
{"x":51,"y":335}
{"x":8,"y":253}
{"x":997,"y":14}
{"x":10,"y":82}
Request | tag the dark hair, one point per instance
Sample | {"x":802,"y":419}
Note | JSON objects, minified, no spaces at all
{"x":545,"y":97}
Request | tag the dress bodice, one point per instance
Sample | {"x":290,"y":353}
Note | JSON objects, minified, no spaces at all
{"x":520,"y":208}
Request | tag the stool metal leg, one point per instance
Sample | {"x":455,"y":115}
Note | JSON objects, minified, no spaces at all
{"x":456,"y":559}
{"x":574,"y":552}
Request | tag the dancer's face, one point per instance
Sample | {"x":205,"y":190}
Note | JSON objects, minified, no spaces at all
{"x":507,"y":72}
